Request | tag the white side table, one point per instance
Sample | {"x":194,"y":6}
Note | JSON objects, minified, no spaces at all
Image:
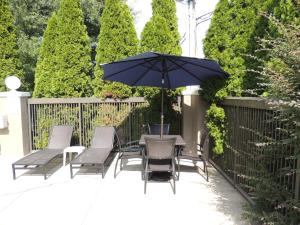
{"x":71,"y":149}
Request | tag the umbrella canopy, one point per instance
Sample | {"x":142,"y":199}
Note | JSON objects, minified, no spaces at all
{"x":162,"y":70}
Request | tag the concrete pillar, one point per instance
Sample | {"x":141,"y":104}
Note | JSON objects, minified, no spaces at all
{"x":193,"y":111}
{"x":14,"y":138}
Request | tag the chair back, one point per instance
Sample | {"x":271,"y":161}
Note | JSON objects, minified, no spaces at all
{"x":120,"y":135}
{"x":155,"y":128}
{"x":160,"y":148}
{"x":103,"y":137}
{"x":60,"y":137}
{"x":203,"y":138}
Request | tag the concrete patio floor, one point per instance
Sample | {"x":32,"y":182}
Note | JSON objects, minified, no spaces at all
{"x":89,"y":199}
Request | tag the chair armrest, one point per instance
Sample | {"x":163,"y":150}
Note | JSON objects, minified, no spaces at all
{"x":130,"y":143}
{"x":132,"y":146}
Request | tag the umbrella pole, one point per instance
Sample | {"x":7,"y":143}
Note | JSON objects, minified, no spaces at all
{"x":164,"y":70}
{"x":162,"y":114}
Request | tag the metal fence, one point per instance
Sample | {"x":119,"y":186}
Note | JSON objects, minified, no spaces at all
{"x":255,"y":132}
{"x":84,"y":114}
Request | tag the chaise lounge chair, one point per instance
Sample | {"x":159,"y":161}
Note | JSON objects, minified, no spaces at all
{"x":60,"y":138}
{"x":96,"y":156}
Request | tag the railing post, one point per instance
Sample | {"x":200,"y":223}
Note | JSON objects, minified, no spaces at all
{"x":14,"y":130}
{"x":297,"y":182}
{"x":80,"y":123}
{"x":234,"y":152}
{"x":130,"y":121}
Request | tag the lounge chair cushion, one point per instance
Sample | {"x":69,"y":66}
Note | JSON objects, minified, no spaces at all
{"x":92,"y":156}
{"x":40,"y":157}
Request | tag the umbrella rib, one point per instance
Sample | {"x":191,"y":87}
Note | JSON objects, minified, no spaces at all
{"x":169,"y":82}
{"x":152,"y":66}
{"x":129,"y":68}
{"x":139,"y":78}
{"x":205,"y":67}
{"x":144,"y":74}
{"x":193,"y":75}
{"x":132,"y":60}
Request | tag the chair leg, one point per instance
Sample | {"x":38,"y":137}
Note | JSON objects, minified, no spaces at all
{"x":45,"y":172}
{"x":14,"y":171}
{"x":71,"y":171}
{"x":103,"y":170}
{"x":146,"y":177}
{"x":174,"y":183}
{"x":174,"y":177}
{"x":121,"y":164}
{"x":115,"y":172}
{"x":178,"y":167}
{"x":205,"y":169}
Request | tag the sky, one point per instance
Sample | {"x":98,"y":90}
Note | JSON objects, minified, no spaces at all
{"x":142,"y":13}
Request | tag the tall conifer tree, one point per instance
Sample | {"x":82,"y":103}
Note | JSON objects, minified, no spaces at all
{"x":70,"y":58}
{"x":117,"y":40}
{"x":46,"y":65}
{"x":9,"y":61}
{"x":167,"y":10}
{"x":231,"y":36}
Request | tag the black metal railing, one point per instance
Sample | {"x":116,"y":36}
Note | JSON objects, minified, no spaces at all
{"x":256,"y":135}
{"x":84,"y":114}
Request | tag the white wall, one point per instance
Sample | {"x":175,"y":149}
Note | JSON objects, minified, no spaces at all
{"x":142,"y":13}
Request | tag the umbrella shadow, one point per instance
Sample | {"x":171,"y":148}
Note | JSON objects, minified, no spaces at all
{"x":228,"y":200}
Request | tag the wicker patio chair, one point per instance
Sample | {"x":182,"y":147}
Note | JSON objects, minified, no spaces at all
{"x":155,"y":128}
{"x":160,"y":157}
{"x":196,"y":155}
{"x":59,"y":139}
{"x":127,"y":150}
{"x":97,"y":154}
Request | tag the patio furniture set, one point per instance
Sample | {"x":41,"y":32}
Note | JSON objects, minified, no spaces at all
{"x":158,"y":154}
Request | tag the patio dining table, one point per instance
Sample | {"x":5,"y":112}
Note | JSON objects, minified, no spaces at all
{"x":179,"y":140}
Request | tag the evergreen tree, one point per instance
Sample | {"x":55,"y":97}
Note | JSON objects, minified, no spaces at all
{"x":156,"y":36}
{"x":70,"y":57}
{"x":231,"y":36}
{"x":9,"y":61}
{"x":117,"y":40}
{"x":31,"y":22}
{"x":167,"y":10}
{"x":46,"y":65}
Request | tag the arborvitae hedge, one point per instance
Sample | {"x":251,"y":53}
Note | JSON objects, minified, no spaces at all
{"x":117,"y":40}
{"x":9,"y":61}
{"x":70,"y":57}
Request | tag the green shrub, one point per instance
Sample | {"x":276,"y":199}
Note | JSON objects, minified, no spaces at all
{"x":215,"y":117}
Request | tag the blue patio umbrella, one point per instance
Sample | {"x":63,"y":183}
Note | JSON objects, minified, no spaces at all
{"x":162,"y":70}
